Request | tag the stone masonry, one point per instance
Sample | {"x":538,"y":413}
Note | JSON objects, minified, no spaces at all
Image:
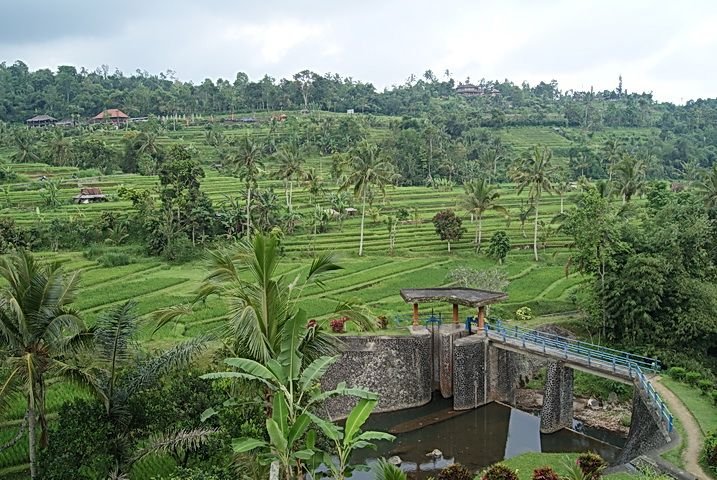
{"x":647,"y":431}
{"x":557,"y":412}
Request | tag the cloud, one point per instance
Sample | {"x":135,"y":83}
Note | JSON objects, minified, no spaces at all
{"x":665,"y":48}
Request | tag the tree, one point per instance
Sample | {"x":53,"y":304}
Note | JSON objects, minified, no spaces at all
{"x":392,"y":224}
{"x":37,"y":331}
{"x":263,"y":302}
{"x":480,"y":196}
{"x":534,"y":172}
{"x":708,"y":188}
{"x":448,"y":226}
{"x":499,"y":246}
{"x":25,"y":147}
{"x":296,"y":394}
{"x":630,"y":177}
{"x":247,"y":163}
{"x":290,"y":168}
{"x":368,"y":170}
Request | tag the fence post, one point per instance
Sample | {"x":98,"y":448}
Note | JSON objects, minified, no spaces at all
{"x":543,"y":345}
{"x":566,"y":350}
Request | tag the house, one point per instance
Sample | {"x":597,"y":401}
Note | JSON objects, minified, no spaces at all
{"x":468,"y":90}
{"x":112,"y":115}
{"x":40,"y":121}
{"x":90,"y":195}
{"x":67,"y":122}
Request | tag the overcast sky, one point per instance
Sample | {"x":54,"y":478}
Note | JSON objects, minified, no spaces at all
{"x":666,"y":47}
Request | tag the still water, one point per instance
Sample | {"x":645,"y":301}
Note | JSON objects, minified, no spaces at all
{"x":476,"y":438}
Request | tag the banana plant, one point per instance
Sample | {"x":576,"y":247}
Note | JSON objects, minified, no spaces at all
{"x":296,"y":394}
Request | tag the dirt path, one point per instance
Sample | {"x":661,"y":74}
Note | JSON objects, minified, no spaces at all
{"x":693,"y":435}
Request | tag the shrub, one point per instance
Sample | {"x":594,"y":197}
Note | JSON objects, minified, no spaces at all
{"x":455,"y":472}
{"x":713,"y":394}
{"x":115,"y":259}
{"x":524,"y":314}
{"x":678,"y":373}
{"x":338,"y":324}
{"x":591,"y":465}
{"x":709,"y":451}
{"x":499,"y":471}
{"x":705,"y":385}
{"x":693,"y":377}
{"x":545,"y":473}
{"x":382,"y":322}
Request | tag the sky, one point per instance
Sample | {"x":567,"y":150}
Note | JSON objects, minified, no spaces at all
{"x":668,"y":48}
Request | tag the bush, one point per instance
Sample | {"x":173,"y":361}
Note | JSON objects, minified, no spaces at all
{"x":545,"y":473}
{"x":338,"y":324}
{"x":455,"y":472}
{"x":705,"y":386}
{"x":116,"y":259}
{"x":713,"y":394}
{"x":592,"y":465}
{"x":678,"y":373}
{"x":382,"y":322}
{"x":709,"y":452}
{"x":693,"y":377}
{"x":524,"y":314}
{"x":499,"y":471}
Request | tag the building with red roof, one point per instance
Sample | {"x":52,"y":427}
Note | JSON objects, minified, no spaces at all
{"x":111,"y":115}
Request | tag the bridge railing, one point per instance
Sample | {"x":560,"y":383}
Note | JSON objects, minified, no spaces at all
{"x":569,"y":346}
{"x":636,"y":365}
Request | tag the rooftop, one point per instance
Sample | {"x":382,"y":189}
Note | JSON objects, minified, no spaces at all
{"x":111,"y":113}
{"x":470,"y":297}
{"x":42,"y":118}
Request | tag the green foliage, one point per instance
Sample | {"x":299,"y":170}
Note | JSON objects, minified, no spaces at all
{"x":692,"y":378}
{"x":523,"y":314}
{"x":705,"y":386}
{"x":499,"y":471}
{"x":709,"y":451}
{"x":385,"y":471}
{"x":448,"y":226}
{"x":678,"y":373}
{"x":499,"y":246}
{"x":114,"y":259}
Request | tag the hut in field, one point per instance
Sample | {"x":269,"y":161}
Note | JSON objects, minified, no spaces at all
{"x":90,"y":195}
{"x":40,"y":121}
{"x":468,"y":90}
{"x":114,"y":116}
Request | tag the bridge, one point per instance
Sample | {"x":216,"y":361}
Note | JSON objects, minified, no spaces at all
{"x":598,"y":360}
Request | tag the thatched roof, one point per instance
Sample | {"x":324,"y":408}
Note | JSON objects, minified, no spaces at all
{"x":41,"y":118}
{"x":469,"y":297}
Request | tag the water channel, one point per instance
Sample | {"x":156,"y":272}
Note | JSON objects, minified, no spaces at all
{"x":474,"y":438}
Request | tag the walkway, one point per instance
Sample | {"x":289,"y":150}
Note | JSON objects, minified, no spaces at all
{"x":693,"y":435}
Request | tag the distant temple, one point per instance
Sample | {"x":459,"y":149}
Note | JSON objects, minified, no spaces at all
{"x":40,"y":121}
{"x":112,"y":115}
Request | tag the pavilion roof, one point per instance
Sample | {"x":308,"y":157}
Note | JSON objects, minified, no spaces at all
{"x":470,"y":297}
{"x":41,"y":118}
{"x":110,"y":113}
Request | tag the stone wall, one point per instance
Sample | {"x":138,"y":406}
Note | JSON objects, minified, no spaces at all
{"x":447,"y":335}
{"x":647,"y":432}
{"x":557,"y":411}
{"x":470,"y":380}
{"x":397,"y":368}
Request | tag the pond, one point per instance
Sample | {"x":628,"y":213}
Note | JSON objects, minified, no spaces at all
{"x":475,"y":438}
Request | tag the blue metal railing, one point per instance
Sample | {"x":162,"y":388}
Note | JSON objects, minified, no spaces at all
{"x":423,"y":318}
{"x":589,"y":353}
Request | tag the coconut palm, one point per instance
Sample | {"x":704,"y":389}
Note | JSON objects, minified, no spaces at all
{"x":25,"y":147}
{"x":262,"y":302}
{"x":708,"y":187}
{"x":314,"y":184}
{"x":37,"y":332}
{"x":368,"y":170}
{"x":59,"y":149}
{"x":147,"y":143}
{"x":290,"y":168}
{"x":534,"y":172}
{"x":480,"y":196}
{"x":630,"y":177}
{"x":246,"y":161}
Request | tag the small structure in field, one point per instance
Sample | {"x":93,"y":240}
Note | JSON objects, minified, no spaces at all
{"x":114,"y":116}
{"x":90,"y":195}
{"x":469,"y":297}
{"x":41,"y":121}
{"x":468,"y":90}
{"x":67,"y":122}
{"x":351,"y":211}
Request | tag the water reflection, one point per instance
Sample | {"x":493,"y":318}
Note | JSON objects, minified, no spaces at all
{"x":476,"y":438}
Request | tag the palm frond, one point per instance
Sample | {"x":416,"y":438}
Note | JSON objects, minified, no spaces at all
{"x":173,"y":442}
{"x":385,"y":471}
{"x":163,"y":316}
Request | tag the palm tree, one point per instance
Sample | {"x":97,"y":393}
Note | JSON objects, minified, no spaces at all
{"x":708,"y":187}
{"x":59,"y":149}
{"x":247,"y":163}
{"x":290,"y":168}
{"x":630,"y":177}
{"x":147,"y":143}
{"x":480,"y":196}
{"x":26,"y":150}
{"x":37,"y":332}
{"x":314,"y":184}
{"x":369,"y":170}
{"x":262,"y":302}
{"x":535,"y":172}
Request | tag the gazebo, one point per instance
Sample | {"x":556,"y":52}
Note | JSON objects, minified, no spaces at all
{"x":469,"y":297}
{"x":40,"y":121}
